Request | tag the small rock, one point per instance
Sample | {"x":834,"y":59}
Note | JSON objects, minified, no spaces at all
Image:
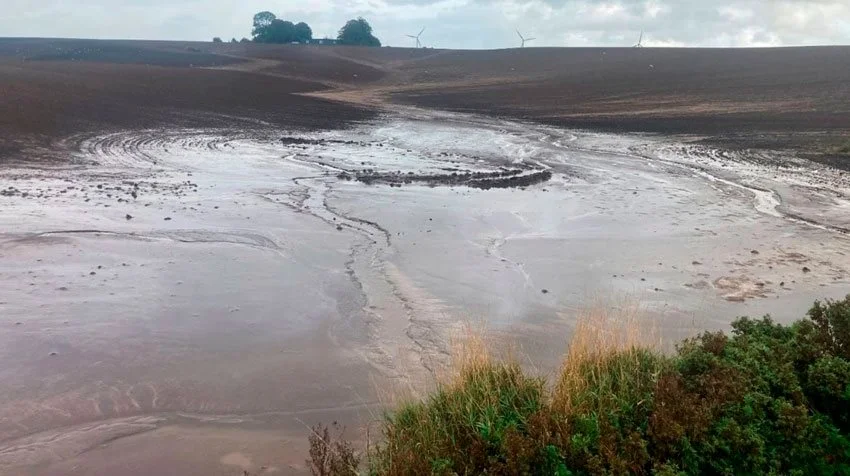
{"x":129,"y":217}
{"x":339,"y":227}
{"x":806,"y":269}
{"x":167,"y":218}
{"x":755,"y":252}
{"x":544,"y":291}
{"x":696,"y":263}
{"x":781,"y":283}
{"x":54,"y":354}
{"x":92,"y":273}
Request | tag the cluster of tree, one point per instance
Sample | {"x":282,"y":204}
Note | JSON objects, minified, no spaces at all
{"x":268,"y":28}
{"x":357,"y":32}
{"x":232,"y":40}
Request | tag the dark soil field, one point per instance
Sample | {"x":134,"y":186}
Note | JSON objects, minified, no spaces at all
{"x":51,"y":89}
{"x":797,"y":98}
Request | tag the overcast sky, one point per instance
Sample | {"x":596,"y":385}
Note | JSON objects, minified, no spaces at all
{"x":452,"y":23}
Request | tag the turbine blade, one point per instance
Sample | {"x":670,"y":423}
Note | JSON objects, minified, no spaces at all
{"x":420,"y":33}
{"x":520,"y":35}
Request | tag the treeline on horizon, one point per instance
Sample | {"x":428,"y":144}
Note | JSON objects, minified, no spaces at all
{"x":268,"y":28}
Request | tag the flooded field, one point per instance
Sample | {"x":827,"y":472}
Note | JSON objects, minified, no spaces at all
{"x":212,"y":293}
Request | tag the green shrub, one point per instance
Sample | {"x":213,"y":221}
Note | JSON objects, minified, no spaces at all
{"x":744,"y":409}
{"x":766,"y":399}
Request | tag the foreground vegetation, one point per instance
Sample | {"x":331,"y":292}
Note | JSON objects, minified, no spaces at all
{"x":767,"y":399}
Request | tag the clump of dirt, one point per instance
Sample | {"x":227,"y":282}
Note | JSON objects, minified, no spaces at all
{"x":740,"y":288}
{"x":504,"y":178}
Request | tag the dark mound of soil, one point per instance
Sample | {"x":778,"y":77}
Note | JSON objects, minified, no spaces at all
{"x":482,"y":180}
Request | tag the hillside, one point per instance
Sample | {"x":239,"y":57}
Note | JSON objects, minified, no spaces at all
{"x":775,"y":98}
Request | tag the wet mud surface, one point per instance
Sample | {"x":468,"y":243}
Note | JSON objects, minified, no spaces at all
{"x":213,"y":292}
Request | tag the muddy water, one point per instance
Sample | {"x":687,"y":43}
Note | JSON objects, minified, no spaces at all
{"x":185,"y":301}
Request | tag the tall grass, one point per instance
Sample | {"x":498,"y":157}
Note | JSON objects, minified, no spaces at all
{"x":613,"y":353}
{"x":477,"y":405}
{"x":487,"y":413}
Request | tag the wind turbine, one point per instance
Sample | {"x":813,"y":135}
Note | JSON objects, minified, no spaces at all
{"x":416,"y":37}
{"x":524,"y":39}
{"x":640,"y":41}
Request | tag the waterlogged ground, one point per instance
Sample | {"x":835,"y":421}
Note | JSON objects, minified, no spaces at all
{"x":185,"y":301}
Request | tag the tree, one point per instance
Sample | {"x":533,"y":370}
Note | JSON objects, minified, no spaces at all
{"x":303,"y":32}
{"x":233,"y":40}
{"x":357,"y":32}
{"x":280,"y":31}
{"x":270,"y":29}
{"x":263,"y":19}
{"x":216,"y":40}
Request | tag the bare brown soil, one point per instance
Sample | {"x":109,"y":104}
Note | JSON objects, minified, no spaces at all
{"x":797,"y":98}
{"x":52,"y":89}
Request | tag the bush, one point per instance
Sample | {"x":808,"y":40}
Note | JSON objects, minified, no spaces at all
{"x":767,"y":399}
